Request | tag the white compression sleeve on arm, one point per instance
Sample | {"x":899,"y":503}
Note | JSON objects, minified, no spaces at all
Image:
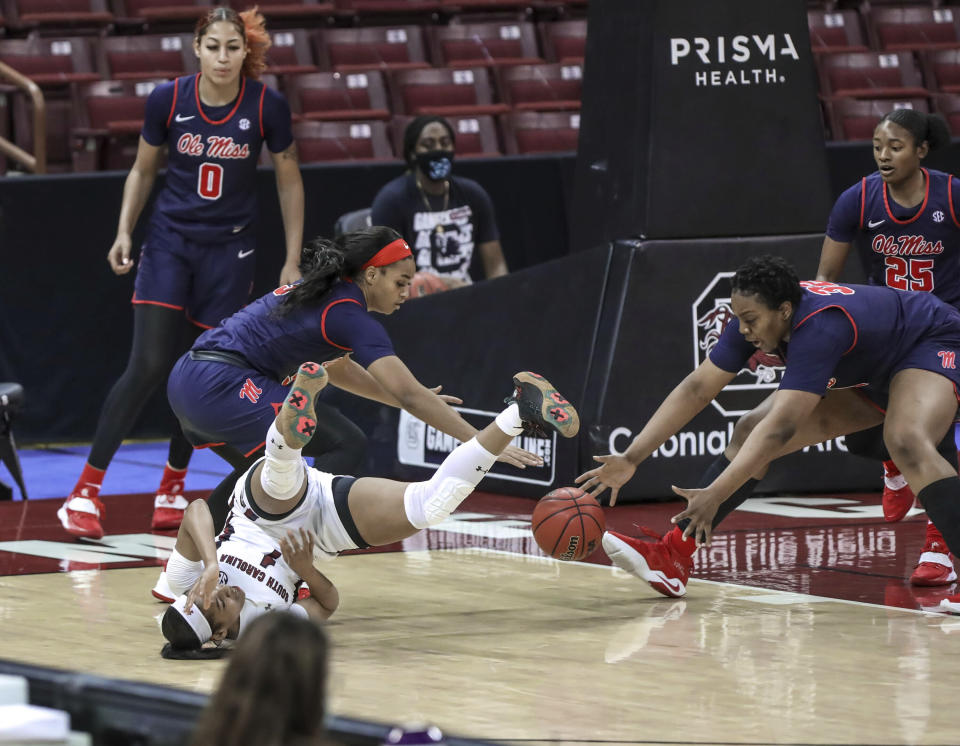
{"x":431,"y":502}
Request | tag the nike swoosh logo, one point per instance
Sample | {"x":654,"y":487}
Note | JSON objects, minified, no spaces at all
{"x":672,"y":583}
{"x":245,"y":254}
{"x":184,"y":119}
{"x":872,"y":224}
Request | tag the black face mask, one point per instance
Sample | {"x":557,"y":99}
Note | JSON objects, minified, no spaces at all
{"x":436,"y":165}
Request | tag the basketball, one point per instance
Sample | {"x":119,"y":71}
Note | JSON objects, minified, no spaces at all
{"x":426,"y":283}
{"x":568,"y":523}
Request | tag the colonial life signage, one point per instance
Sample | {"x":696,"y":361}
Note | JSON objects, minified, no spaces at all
{"x":700,"y":118}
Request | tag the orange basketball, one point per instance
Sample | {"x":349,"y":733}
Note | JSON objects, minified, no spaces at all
{"x":568,"y":523}
{"x":426,"y":283}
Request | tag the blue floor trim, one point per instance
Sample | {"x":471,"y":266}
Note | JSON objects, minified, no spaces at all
{"x":51,"y":472}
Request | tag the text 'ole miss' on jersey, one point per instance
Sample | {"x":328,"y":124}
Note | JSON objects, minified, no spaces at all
{"x":213,"y":152}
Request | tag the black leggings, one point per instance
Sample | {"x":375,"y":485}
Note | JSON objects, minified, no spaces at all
{"x":160,"y":336}
{"x":338,"y":446}
{"x":869,"y":444}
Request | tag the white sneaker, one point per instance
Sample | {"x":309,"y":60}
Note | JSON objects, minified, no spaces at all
{"x":162,"y":591}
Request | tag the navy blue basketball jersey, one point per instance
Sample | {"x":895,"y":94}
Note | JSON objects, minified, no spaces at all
{"x":851,"y":335}
{"x":904,"y":248}
{"x":210,"y":190}
{"x":277,"y":344}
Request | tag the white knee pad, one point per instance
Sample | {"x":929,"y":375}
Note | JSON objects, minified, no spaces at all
{"x":282,"y":479}
{"x":430,"y":503}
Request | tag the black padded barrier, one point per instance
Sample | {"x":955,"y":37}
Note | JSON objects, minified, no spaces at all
{"x":699,"y":119}
{"x":128,"y":713}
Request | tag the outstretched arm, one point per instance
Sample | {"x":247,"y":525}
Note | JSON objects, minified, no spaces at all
{"x":765,"y":442}
{"x":688,"y":398}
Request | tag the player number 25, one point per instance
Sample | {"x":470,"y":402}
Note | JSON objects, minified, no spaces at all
{"x":910,"y":274}
{"x":210,"y":180}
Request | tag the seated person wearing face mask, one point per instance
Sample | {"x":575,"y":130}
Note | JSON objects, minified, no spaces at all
{"x":447,"y":220}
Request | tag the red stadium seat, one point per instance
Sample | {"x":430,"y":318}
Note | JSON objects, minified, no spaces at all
{"x":109,"y":117}
{"x":836,"y":31}
{"x":342,"y":141}
{"x":473,"y":44}
{"x":942,"y":70}
{"x":948,"y":104}
{"x":370,"y":48}
{"x":444,"y":92}
{"x":476,"y":136}
{"x":564,"y":41}
{"x":50,"y":62}
{"x":551,"y":87}
{"x":541,"y":132}
{"x":856,"y":119}
{"x":290,"y":53}
{"x":870,"y":75}
{"x":304,"y":10}
{"x":57,"y":14}
{"x":59,"y":113}
{"x":184,"y":13}
{"x":334,"y":96}
{"x":915,"y":27}
{"x":420,"y":8}
{"x":146,"y":57}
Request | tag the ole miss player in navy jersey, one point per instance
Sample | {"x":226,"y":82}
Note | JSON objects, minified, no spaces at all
{"x":846,"y":349}
{"x":905,"y":221}
{"x":197,"y":260}
{"x":226,"y":389}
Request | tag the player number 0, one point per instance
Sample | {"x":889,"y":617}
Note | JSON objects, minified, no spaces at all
{"x":210,"y":181}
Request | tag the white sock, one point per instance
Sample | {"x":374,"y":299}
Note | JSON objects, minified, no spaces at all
{"x":509,"y":421}
{"x":277,"y":447}
{"x":283,"y":473}
{"x":432,"y":502}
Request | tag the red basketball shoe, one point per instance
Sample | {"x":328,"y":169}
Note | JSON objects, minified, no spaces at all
{"x":935,"y":566}
{"x":657,"y":562}
{"x":168,"y":512}
{"x":897,"y":498}
{"x":80,"y":516}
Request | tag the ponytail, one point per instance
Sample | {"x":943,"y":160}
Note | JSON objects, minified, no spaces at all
{"x":324,"y":262}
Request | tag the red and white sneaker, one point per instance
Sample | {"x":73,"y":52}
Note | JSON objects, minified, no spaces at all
{"x":168,"y":512}
{"x":81,"y":516}
{"x":162,"y":591}
{"x":656,"y":562}
{"x":897,"y":498}
{"x":936,"y":565}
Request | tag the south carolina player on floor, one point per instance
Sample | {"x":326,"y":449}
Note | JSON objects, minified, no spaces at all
{"x":850,"y":352}
{"x":284,"y":514}
{"x":905,"y":220}
{"x":197,"y":260}
{"x":225,"y":390}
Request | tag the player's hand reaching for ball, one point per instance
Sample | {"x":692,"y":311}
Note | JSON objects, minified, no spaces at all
{"x":519,"y":457}
{"x":701,"y":510}
{"x":119,"y":255}
{"x":297,"y":550}
{"x":614,"y":472}
{"x":448,"y":398}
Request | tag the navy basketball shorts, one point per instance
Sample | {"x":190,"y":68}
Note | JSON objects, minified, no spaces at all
{"x":938,"y":355}
{"x":207,"y":281}
{"x":218,"y":403}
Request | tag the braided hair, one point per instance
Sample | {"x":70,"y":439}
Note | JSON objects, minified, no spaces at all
{"x":771,"y":278}
{"x":324,"y":262}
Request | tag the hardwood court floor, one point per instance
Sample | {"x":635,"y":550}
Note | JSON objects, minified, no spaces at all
{"x":467,"y":627}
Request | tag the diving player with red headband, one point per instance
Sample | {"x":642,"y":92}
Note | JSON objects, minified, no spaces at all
{"x":224,"y":390}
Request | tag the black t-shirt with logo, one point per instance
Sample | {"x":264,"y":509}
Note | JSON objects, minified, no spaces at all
{"x":442,"y":233}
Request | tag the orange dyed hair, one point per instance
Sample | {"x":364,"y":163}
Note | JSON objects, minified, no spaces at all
{"x":252,"y":26}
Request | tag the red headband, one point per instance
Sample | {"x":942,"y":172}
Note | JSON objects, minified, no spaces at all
{"x":392,"y":252}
